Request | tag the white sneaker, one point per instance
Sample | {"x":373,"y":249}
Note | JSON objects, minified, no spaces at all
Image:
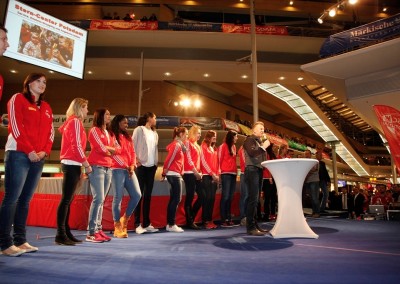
{"x":150,"y":229}
{"x":140,"y":230}
{"x":174,"y":229}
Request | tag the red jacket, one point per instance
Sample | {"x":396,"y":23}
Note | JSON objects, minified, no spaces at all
{"x":98,"y":140}
{"x":31,"y":127}
{"x":192,"y":157}
{"x":125,"y":156}
{"x":208,"y":160}
{"x":227,"y":162}
{"x":73,"y":143}
{"x":175,"y":158}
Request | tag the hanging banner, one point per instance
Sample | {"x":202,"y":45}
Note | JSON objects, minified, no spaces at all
{"x":123,"y":25}
{"x":389,"y":119}
{"x":246,"y":29}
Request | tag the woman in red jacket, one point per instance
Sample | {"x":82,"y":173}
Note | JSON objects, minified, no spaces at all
{"x":210,"y":179}
{"x":228,"y":168}
{"x":123,"y":176}
{"x":192,"y":176}
{"x":173,"y":170}
{"x":102,"y":147}
{"x":73,"y":145}
{"x":30,"y":138}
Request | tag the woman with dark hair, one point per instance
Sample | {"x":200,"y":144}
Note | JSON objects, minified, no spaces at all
{"x":173,"y":171}
{"x":102,"y":144}
{"x":210,"y":179}
{"x":29,"y":142}
{"x":123,"y":176}
{"x":228,"y":168}
{"x":145,"y":141}
{"x":73,"y":158}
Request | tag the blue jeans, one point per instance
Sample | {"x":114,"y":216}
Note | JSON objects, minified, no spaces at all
{"x":121,"y":180}
{"x":253,"y":177}
{"x":244,"y":194}
{"x":313,"y":190}
{"x":228,"y":182}
{"x":21,"y":179}
{"x":175,"y":196}
{"x":100,"y":180}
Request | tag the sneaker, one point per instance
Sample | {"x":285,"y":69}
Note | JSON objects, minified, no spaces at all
{"x":226,"y":224}
{"x":174,"y":229}
{"x":210,"y":225}
{"x":243,"y":221}
{"x":28,"y":248}
{"x":140,"y":230}
{"x":233,"y":224}
{"x":104,"y":236}
{"x":13,"y":251}
{"x":96,"y":238}
{"x":151,"y":229}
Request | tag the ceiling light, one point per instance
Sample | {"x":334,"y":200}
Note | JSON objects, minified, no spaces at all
{"x":13,"y":71}
{"x":291,"y":3}
{"x":352,"y":2}
{"x":281,"y":78}
{"x":206,"y":75}
{"x":51,"y":71}
{"x":197,"y":103}
{"x":244,"y":76}
{"x":128,"y":73}
{"x":321,"y":20}
{"x":167,"y":74}
{"x":89,"y":72}
{"x":332,"y":12}
{"x":300,"y":79}
{"x":384,"y":9}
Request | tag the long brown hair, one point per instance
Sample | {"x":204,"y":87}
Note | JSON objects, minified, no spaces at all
{"x":207,"y":138}
{"x":26,"y":90}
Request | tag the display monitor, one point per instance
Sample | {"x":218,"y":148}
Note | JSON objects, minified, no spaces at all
{"x":40,"y":39}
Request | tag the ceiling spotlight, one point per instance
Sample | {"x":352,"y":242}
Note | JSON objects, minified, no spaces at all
{"x":89,"y":72}
{"x":167,"y":74}
{"x":291,"y":3}
{"x":13,"y":71}
{"x":320,"y":20}
{"x":128,"y":73}
{"x":300,"y":79}
{"x":332,"y":12}
{"x":281,"y":78}
{"x":206,"y":75}
{"x":384,"y":9}
{"x":244,"y":76}
{"x":352,"y":2}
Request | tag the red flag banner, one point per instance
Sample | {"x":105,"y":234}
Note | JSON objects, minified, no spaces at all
{"x":246,"y":29}
{"x":123,"y":25}
{"x":389,"y":119}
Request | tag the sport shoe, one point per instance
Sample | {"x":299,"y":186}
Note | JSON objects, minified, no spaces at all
{"x":210,"y":225}
{"x":28,"y":248}
{"x":104,"y":236}
{"x":13,"y":251}
{"x":140,"y":230}
{"x":151,"y":229}
{"x":174,"y":229}
{"x":226,"y":224}
{"x":96,"y":238}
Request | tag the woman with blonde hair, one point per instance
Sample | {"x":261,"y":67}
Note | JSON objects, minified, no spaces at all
{"x":192,"y":176}
{"x":73,"y":158}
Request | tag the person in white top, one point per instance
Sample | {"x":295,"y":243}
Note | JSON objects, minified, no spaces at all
{"x":145,"y":141}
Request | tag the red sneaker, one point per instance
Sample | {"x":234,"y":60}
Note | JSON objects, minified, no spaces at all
{"x":104,"y":236}
{"x":210,"y":225}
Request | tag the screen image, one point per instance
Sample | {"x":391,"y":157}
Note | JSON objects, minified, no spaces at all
{"x":40,"y":39}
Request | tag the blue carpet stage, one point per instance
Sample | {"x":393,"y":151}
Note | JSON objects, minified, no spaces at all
{"x":347,"y":251}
